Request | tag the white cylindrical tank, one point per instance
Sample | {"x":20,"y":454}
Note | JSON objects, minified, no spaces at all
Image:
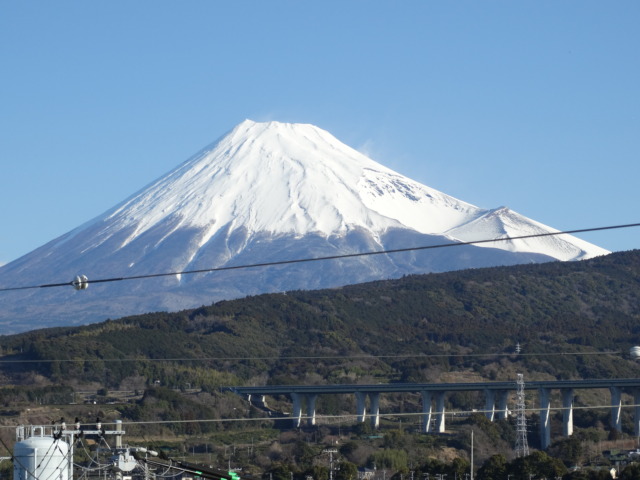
{"x":635,"y":352}
{"x":41,"y":458}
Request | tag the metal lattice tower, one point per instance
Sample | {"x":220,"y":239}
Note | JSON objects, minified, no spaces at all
{"x":522,"y":447}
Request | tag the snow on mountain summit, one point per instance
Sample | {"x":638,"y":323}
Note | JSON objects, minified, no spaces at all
{"x":284,"y":178}
{"x":266,"y":192}
{"x":274,"y":177}
{"x":501,"y":223}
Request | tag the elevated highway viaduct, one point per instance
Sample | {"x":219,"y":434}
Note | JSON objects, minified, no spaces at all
{"x":496,"y":396}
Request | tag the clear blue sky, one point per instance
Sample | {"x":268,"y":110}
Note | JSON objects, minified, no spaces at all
{"x":534,"y":105}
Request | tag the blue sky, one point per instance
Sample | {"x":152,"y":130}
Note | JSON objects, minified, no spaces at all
{"x":534,"y":105}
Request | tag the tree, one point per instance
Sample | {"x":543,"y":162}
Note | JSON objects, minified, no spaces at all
{"x":494,"y":468}
{"x":317,"y":472}
{"x":569,"y":450}
{"x":304,"y":454}
{"x":589,"y":475}
{"x":631,"y":472}
{"x":279,"y":472}
{"x":390,"y":458}
{"x":348,"y":471}
{"x":538,"y":464}
{"x":362,"y":429}
{"x":459,"y":467}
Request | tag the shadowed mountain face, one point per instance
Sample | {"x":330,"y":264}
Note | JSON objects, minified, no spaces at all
{"x":265,"y":192}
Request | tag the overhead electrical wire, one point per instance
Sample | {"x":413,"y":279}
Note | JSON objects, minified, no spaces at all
{"x":349,"y":416}
{"x":312,"y":357}
{"x":81,"y":283}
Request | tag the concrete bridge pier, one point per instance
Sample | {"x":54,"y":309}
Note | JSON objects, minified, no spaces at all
{"x":440,"y":424}
{"x":567,"y":411}
{"x":503,"y":400}
{"x":361,"y":408}
{"x":545,"y":417}
{"x":616,"y":408}
{"x":374,"y":404}
{"x":374,"y":399}
{"x":311,"y":409}
{"x":489,"y":403}
{"x":426,"y":411}
{"x":496,"y":409}
{"x":296,"y":414}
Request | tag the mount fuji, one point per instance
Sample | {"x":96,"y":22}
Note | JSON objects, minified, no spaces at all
{"x":265,"y":192}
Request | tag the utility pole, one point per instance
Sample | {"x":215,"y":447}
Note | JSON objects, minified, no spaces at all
{"x":330,"y":451}
{"x":471,"y":469}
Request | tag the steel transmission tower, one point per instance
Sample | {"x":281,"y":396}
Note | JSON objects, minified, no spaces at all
{"x":522,"y":447}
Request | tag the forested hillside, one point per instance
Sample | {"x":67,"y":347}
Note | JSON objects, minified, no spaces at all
{"x":417,"y":329}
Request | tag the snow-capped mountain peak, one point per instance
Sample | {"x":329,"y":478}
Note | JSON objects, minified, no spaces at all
{"x":298,"y":179}
{"x":267,"y":192}
{"x":284,"y":179}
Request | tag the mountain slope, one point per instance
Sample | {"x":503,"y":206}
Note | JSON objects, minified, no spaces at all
{"x":413,"y":328}
{"x":264,"y":192}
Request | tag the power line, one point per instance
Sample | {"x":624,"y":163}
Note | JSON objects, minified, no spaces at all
{"x":82,"y":282}
{"x":308,"y":357}
{"x":347,"y":416}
